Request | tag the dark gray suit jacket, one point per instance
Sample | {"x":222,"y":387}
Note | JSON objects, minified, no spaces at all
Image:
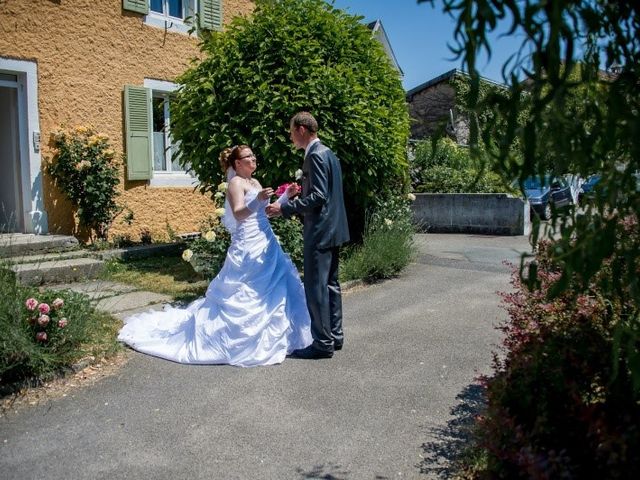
{"x":322,"y":200}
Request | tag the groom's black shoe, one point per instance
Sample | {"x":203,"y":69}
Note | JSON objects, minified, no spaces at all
{"x":311,"y":353}
{"x":337,"y":346}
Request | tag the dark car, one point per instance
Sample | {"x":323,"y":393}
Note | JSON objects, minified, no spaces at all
{"x":542,"y":193}
{"x":587,"y":188}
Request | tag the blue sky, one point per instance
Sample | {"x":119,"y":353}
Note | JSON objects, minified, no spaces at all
{"x":419,"y":34}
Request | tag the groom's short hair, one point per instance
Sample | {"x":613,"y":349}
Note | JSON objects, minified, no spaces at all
{"x":305,"y":119}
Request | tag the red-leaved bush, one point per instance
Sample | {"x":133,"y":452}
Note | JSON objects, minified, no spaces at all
{"x":562,"y":402}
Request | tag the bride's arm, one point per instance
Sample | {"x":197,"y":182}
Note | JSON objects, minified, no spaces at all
{"x":236,"y":195}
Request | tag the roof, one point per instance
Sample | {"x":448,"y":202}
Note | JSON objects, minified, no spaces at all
{"x":378,"y":31}
{"x":446,"y":76}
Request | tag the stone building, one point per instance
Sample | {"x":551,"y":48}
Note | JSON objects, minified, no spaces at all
{"x":67,"y":63}
{"x":432,"y":108}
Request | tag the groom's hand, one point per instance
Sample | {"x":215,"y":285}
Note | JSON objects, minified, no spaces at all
{"x":273,"y":210}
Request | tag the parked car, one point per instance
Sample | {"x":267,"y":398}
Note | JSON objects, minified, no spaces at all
{"x":587,"y":188}
{"x":542,"y":193}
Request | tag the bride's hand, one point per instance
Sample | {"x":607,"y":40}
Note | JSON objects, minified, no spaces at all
{"x":265,"y":193}
{"x":292,"y":190}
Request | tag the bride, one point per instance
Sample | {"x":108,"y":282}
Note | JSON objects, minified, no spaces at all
{"x":254,"y":311}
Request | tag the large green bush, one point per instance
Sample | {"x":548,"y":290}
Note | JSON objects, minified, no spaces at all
{"x":288,"y":56}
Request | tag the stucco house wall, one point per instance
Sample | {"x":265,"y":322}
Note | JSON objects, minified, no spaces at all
{"x":86,"y":52}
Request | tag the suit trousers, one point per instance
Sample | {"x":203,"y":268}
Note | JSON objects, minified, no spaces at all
{"x":324,"y":298}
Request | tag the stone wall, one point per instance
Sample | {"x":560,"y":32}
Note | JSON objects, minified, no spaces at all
{"x":430,"y":111}
{"x":483,"y":213}
{"x":86,"y":52}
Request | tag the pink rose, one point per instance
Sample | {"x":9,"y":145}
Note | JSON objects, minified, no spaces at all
{"x":43,"y":320}
{"x":41,"y":336}
{"x":62,"y":322}
{"x":282,"y":188}
{"x":57,"y":303}
{"x":44,"y":308}
{"x":31,"y":304}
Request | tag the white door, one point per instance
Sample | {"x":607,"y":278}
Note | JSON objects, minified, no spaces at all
{"x":11,"y":216}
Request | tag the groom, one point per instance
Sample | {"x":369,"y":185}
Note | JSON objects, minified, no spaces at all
{"x":325,"y":229}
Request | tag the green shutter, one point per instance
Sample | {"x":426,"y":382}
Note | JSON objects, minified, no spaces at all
{"x":139,"y":6}
{"x":210,"y":13}
{"x":137,"y":105}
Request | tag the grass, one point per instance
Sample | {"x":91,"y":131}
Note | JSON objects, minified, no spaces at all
{"x":167,"y":275}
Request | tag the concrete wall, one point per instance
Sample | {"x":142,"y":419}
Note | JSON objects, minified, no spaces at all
{"x":484,"y":213}
{"x":86,"y":52}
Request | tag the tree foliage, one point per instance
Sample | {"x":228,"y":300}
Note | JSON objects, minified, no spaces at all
{"x":564,"y":114}
{"x":579,"y":120}
{"x":288,"y":56}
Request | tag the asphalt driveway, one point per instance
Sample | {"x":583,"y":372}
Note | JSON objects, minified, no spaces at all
{"x":384,"y":407}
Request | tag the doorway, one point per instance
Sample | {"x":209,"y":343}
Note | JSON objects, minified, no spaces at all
{"x":11,"y":217}
{"x":21,"y":194}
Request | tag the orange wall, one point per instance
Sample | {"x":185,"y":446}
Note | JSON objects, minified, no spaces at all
{"x":86,"y":52}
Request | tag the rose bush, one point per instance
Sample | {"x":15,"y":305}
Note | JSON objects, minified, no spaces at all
{"x":85,"y":170}
{"x":42,"y":332}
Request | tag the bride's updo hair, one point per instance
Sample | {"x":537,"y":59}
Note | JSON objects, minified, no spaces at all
{"x":229,"y":155}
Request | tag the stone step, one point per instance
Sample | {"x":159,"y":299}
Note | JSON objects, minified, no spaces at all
{"x":22,"y":244}
{"x":58,"y":271}
{"x":49,"y":257}
{"x":132,"y":302}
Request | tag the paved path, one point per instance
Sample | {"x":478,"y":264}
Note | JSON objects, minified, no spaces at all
{"x":382,"y":408}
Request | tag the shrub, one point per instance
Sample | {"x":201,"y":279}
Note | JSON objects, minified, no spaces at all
{"x":254,"y":76}
{"x":36,"y":347}
{"x":387,"y":245}
{"x":289,"y":234}
{"x":449,"y":168}
{"x":560,"y":405}
{"x":207,"y":253}
{"x":83,"y":168}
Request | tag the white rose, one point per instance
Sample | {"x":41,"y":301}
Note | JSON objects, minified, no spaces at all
{"x":219,"y":195}
{"x":219,"y":212}
{"x":411,"y":196}
{"x":187,"y":254}
{"x":210,"y":236}
{"x":388,"y":222}
{"x":298,"y":174}
{"x":222,"y":187}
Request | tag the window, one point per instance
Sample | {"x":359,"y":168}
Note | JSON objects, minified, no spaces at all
{"x":169,"y":8}
{"x":151,"y":152}
{"x":178,"y":15}
{"x":174,"y":15}
{"x":165,"y":153}
{"x":166,"y":169}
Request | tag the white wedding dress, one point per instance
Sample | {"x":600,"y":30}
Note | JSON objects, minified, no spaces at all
{"x":254,"y":311}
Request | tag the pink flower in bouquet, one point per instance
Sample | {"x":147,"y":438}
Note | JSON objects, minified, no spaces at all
{"x":43,"y":320}
{"x":44,"y":308}
{"x":31,"y":304}
{"x":62,"y":322}
{"x":283,"y":188}
{"x":57,"y":303}
{"x":41,"y":336}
